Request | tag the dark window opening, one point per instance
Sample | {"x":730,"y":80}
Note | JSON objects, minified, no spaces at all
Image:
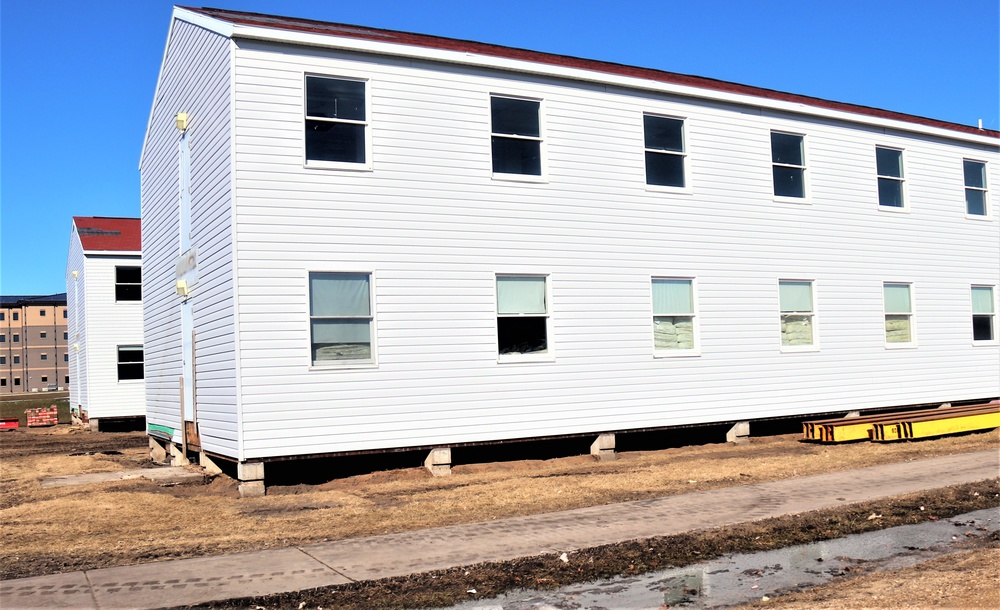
{"x":516,"y":142}
{"x":128,"y":283}
{"x":982,"y":328}
{"x":130,"y":363}
{"x":522,"y":334}
{"x":335,"y":120}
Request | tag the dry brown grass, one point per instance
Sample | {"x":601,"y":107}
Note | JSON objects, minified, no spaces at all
{"x":127,"y":522}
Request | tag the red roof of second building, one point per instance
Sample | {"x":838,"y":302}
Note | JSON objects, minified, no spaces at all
{"x":111,"y":234}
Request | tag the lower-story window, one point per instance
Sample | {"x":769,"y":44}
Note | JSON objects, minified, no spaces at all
{"x":130,"y":362}
{"x":673,"y":315}
{"x":797,"y":314}
{"x":522,"y":315}
{"x":983,"y":314}
{"x":340,"y":317}
{"x":898,"y":313}
{"x":3,"y":382}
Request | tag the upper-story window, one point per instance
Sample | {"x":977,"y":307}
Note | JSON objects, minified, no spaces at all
{"x":889,"y":166}
{"x":1,"y":316}
{"x":517,"y":136}
{"x":975,"y":187}
{"x":788,"y":161}
{"x":65,"y":313}
{"x":41,"y":313}
{"x":336,"y":121}
{"x":664,"y":143}
{"x":128,"y":283}
{"x":14,"y":316}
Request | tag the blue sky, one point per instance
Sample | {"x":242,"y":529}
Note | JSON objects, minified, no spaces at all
{"x":77,"y":77}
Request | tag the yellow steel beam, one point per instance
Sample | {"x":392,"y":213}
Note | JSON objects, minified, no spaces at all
{"x":953,"y":425}
{"x":847,"y":429}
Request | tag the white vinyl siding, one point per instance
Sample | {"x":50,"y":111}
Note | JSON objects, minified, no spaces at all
{"x":596,"y":232}
{"x":110,"y":323}
{"x":195,"y":78}
{"x":76,"y":323}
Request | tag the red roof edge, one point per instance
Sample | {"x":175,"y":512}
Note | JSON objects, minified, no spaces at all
{"x":110,"y":234}
{"x":451,"y":44}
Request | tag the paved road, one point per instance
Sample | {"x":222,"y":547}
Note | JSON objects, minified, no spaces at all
{"x":191,"y":581}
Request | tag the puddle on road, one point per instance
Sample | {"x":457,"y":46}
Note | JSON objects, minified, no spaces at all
{"x":738,"y":579}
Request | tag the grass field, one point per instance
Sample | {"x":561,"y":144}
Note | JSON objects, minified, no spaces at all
{"x":14,"y":406}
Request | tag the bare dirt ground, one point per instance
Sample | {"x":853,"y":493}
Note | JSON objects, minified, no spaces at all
{"x":135,"y":521}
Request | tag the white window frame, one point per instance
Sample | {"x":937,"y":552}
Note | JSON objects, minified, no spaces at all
{"x":549,"y":354}
{"x":995,"y":340}
{"x":806,"y":191}
{"x":693,"y":351}
{"x":542,"y":155}
{"x":336,"y":365}
{"x":987,"y":208}
{"x":912,"y":317}
{"x":813,"y":315}
{"x":118,"y":349}
{"x":117,"y":284}
{"x":367,"y":166}
{"x":905,"y":200}
{"x":684,"y":154}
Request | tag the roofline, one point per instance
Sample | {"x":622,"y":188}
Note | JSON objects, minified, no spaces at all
{"x":449,"y":50}
{"x":58,"y":298}
{"x":75,"y":218}
{"x":109,"y":253}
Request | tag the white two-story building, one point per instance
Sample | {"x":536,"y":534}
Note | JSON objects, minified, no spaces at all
{"x":104,"y":315}
{"x":359,"y":240}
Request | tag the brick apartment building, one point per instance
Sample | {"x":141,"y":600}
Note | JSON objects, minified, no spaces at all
{"x":34,"y":355}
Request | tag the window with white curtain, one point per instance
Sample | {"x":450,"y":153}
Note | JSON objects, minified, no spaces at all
{"x":983,"y":314}
{"x":795,"y":298}
{"x":673,"y":315}
{"x":340,"y":317}
{"x":898,"y":313}
{"x":522,"y":315}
